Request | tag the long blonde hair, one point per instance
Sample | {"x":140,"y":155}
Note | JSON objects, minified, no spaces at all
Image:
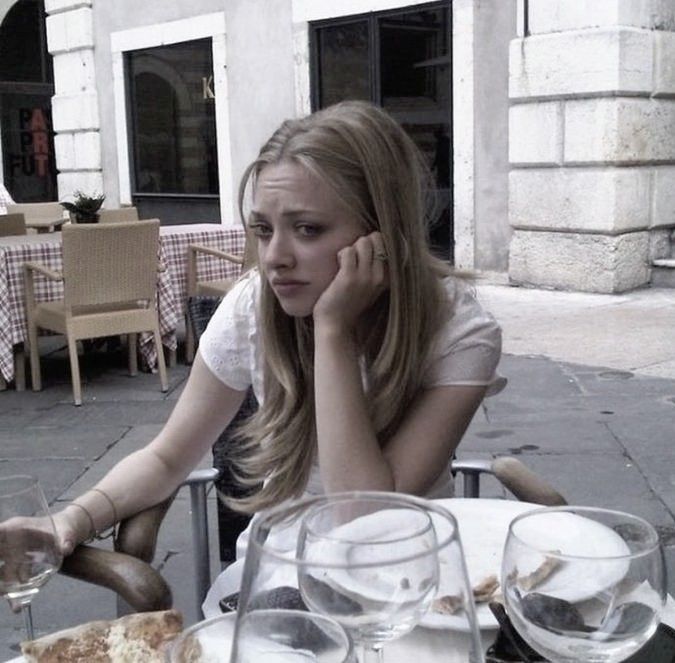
{"x":381,"y":176}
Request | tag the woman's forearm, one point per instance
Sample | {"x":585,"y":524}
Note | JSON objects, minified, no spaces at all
{"x":150,"y":475}
{"x":350,"y":457}
{"x":137,"y":482}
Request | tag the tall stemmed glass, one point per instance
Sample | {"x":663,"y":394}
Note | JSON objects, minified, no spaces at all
{"x":29,"y":550}
{"x":371,"y":564}
{"x":583,"y":583}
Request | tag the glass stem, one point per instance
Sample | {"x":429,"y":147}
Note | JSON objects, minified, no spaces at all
{"x":28,"y":620}
{"x":373,"y":654}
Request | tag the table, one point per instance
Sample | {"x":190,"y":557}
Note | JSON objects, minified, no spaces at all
{"x":171,"y":285}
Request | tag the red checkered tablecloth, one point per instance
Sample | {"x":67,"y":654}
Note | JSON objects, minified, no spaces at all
{"x":171,"y":285}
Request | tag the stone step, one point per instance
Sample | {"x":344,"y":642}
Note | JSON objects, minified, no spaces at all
{"x":663,"y":272}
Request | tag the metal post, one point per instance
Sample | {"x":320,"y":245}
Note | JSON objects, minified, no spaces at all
{"x":200,"y":532}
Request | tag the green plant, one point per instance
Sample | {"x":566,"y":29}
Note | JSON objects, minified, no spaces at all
{"x":84,"y":209}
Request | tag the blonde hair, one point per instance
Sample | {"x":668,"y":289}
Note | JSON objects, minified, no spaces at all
{"x":379,"y":173}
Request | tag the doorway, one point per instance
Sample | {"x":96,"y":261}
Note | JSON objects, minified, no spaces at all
{"x":26,"y":90}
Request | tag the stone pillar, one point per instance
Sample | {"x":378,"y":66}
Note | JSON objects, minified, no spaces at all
{"x":592,"y":142}
{"x":75,"y":115}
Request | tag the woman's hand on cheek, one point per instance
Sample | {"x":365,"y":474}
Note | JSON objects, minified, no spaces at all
{"x":361,"y":278}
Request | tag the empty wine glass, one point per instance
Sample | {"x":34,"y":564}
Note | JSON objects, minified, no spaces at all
{"x":264,"y":635}
{"x":371,"y":564}
{"x":583,"y":583}
{"x":29,"y":550}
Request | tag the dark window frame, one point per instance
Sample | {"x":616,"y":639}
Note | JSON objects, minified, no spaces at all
{"x":372,"y":19}
{"x":132,"y":137}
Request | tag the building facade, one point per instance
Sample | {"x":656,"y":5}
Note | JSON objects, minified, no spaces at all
{"x":549,"y":124}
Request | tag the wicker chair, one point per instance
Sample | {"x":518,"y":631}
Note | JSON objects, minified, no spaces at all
{"x":117,"y":215}
{"x":216,"y":288}
{"x":128,"y":572}
{"x":41,"y":216}
{"x":110,"y":282}
{"x":12,"y":224}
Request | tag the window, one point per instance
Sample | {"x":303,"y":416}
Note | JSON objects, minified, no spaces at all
{"x":399,"y":59}
{"x":172,"y":112}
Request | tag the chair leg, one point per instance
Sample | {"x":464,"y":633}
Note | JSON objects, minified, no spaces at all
{"x":133,"y":357}
{"x":189,"y":340}
{"x":20,"y":369}
{"x":161,"y":365}
{"x":35,"y":376}
{"x":74,"y":370}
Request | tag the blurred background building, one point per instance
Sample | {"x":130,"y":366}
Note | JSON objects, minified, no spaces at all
{"x":549,"y":124}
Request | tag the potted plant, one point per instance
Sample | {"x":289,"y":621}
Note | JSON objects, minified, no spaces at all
{"x":84,"y":209}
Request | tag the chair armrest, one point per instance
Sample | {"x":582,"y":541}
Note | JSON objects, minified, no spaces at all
{"x":137,"y":535}
{"x":524,"y":483}
{"x":45,"y":271}
{"x":193,"y":251}
{"x":207,"y":250}
{"x":127,"y":570}
{"x":141,"y":586}
{"x":513,"y":475}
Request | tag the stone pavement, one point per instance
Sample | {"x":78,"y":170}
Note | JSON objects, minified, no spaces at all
{"x":590,"y":405}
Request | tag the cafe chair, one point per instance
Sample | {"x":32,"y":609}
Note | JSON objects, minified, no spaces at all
{"x":110,"y":284}
{"x":12,"y":224}
{"x":197,"y":287}
{"x":128,"y":570}
{"x":43,"y":217}
{"x":117,"y":215}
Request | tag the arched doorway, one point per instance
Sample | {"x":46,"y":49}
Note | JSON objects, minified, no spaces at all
{"x":26,"y":89}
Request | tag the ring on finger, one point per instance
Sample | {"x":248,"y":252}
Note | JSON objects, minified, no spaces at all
{"x":380,"y":255}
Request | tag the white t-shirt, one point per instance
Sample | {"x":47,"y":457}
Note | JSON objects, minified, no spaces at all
{"x":466,"y":352}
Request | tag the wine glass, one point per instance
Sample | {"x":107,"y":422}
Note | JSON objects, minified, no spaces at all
{"x":583,"y":583}
{"x":372,"y":561}
{"x":371,"y":564}
{"x":264,"y":635}
{"x":29,"y":550}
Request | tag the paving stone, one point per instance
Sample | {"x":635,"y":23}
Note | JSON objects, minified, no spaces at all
{"x":59,"y":442}
{"x":562,"y":434}
{"x":101,"y":413}
{"x":54,"y":474}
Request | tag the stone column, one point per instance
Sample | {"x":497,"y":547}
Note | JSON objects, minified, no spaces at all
{"x":592,"y":142}
{"x":75,"y":115}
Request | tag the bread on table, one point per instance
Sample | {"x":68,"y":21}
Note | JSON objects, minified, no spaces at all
{"x":136,"y":638}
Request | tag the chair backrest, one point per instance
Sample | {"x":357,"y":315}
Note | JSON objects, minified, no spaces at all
{"x":37,"y":211}
{"x":12,"y":224}
{"x":117,"y":215}
{"x":110,"y":263}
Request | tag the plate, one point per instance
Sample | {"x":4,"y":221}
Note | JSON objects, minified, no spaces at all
{"x":483,"y":526}
{"x":577,"y":536}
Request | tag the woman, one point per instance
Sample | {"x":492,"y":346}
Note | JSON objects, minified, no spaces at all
{"x":368,"y":358}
